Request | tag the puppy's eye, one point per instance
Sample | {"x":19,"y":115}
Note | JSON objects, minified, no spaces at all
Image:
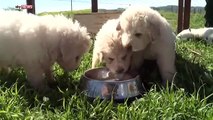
{"x":124,"y":57}
{"x":110,"y":59}
{"x":138,"y":35}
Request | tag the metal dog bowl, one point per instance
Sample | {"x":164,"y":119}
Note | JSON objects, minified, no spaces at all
{"x":98,"y":83}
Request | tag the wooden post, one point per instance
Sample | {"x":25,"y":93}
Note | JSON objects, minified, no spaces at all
{"x":180,"y":16}
{"x":71,"y":5}
{"x":187,"y":9}
{"x":31,"y":2}
{"x":94,"y":5}
{"x":183,"y":15}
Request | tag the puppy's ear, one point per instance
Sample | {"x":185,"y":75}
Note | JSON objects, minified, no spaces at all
{"x":118,"y":27}
{"x":101,"y":56}
{"x":96,"y":59}
{"x":154,"y":27}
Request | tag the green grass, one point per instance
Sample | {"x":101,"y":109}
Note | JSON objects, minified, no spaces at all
{"x":196,"y":20}
{"x":188,"y":99}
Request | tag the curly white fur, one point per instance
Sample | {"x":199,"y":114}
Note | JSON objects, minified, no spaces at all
{"x":150,"y":36}
{"x":37,"y":42}
{"x":108,"y":49}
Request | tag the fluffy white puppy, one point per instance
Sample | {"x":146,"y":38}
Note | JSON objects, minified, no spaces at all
{"x":202,"y":33}
{"x":108,"y":49}
{"x":150,"y":36}
{"x":37,"y":42}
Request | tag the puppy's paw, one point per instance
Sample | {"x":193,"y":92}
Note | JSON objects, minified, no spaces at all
{"x":41,"y":87}
{"x":45,"y":90}
{"x":52,"y":84}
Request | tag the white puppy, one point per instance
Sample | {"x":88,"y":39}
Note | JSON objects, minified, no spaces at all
{"x":151,"y":37}
{"x":36,"y":43}
{"x":202,"y":33}
{"x":108,"y":49}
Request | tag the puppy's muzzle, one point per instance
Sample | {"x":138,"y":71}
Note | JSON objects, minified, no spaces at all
{"x":119,"y":70}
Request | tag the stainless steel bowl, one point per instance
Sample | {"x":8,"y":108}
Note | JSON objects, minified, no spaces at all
{"x":99,"y":83}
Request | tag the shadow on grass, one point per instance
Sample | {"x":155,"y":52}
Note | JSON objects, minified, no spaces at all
{"x":194,"y":78}
{"x":64,"y":88}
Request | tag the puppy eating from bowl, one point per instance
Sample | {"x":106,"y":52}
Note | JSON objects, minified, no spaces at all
{"x":108,"y":49}
{"x":151,"y":38}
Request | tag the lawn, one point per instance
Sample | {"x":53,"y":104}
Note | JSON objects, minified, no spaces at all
{"x":190,"y":97}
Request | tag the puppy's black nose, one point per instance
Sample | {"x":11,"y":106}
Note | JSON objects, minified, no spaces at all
{"x":120,"y":70}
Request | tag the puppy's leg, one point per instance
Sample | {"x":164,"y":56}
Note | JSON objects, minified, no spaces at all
{"x":35,"y":76}
{"x":167,"y":68}
{"x":49,"y":75}
{"x":136,"y":61}
{"x":5,"y":70}
{"x":50,"y":79}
